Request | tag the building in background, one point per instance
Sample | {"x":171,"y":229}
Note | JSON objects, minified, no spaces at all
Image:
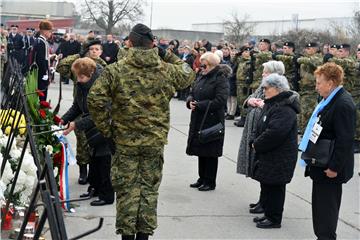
{"x":275,"y":27}
{"x":29,"y":14}
{"x":188,"y":35}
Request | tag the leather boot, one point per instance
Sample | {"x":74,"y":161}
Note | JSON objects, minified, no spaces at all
{"x":142,"y":236}
{"x":83,"y":174}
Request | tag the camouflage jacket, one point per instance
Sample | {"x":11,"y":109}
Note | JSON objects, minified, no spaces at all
{"x":243,"y":70}
{"x":64,"y":66}
{"x":260,"y":58}
{"x":308,"y":65}
{"x":351,"y":74}
{"x":130,"y":101}
{"x":122,"y":52}
{"x":291,"y":69}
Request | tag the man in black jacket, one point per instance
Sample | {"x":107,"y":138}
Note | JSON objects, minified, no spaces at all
{"x":16,"y":45}
{"x":87,"y":71}
{"x":110,"y":50}
{"x":67,"y":48}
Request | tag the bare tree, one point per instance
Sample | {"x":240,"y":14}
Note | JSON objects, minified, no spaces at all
{"x":108,"y":13}
{"x":238,"y":30}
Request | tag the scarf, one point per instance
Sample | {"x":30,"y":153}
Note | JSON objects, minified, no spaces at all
{"x":323,"y":103}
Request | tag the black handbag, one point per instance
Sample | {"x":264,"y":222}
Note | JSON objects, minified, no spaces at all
{"x":319,"y":154}
{"x":210,"y":134}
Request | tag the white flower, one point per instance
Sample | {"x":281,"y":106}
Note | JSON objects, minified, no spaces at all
{"x":2,"y":190}
{"x":24,"y":199}
{"x":49,"y":148}
{"x":15,"y":153}
{"x":56,"y":170}
{"x":3,"y":141}
{"x":18,"y":188}
{"x":28,"y":165}
{"x":30,"y":181}
{"x":1,"y":133}
{"x":8,"y":174}
{"x":21,"y":178}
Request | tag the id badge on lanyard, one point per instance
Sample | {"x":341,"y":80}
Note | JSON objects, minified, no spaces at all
{"x":315,"y":131}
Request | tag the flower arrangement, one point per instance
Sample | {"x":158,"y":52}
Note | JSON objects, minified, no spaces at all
{"x":27,"y":175}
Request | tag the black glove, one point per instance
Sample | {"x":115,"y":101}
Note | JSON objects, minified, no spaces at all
{"x":162,"y":53}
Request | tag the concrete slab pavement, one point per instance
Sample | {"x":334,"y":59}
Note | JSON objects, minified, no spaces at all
{"x":186,"y":213}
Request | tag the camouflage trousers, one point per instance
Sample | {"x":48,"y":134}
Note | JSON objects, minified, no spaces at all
{"x":83,"y":154}
{"x":308,"y":103}
{"x":243,"y":91}
{"x":136,"y":174}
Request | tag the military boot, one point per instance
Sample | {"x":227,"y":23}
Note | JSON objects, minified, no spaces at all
{"x":83,"y":174}
{"x":142,"y":236}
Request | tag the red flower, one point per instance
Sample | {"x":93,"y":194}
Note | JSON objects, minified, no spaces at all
{"x":45,"y":104}
{"x":42,"y":113}
{"x":57,"y":120}
{"x":40,"y":93}
{"x":57,"y":159}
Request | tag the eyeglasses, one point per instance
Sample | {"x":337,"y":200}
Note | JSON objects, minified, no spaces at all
{"x":266,"y":87}
{"x":358,"y":49}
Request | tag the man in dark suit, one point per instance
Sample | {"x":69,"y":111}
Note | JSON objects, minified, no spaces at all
{"x":42,"y":59}
{"x":29,"y":41}
{"x":16,"y":45}
{"x":110,"y":50}
{"x":67,"y":48}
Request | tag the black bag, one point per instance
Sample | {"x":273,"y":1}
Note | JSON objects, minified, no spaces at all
{"x":94,"y":137}
{"x":319,"y":154}
{"x":210,"y":134}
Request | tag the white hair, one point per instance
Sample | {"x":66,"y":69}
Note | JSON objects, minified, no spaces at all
{"x":220,"y":54}
{"x":274,"y":67}
{"x":277,"y":81}
{"x":211,"y":58}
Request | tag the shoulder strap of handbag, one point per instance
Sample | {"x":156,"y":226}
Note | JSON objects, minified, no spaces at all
{"x":205,"y":115}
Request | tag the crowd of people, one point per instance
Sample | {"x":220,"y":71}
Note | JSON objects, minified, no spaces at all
{"x":274,"y":93}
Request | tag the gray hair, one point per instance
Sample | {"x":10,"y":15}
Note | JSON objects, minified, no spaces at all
{"x":212,"y":59}
{"x":274,"y":67}
{"x":277,"y":81}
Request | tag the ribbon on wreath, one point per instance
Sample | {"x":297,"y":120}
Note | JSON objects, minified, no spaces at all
{"x":66,"y":158}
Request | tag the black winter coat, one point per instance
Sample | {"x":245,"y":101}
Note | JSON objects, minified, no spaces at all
{"x":276,"y":140}
{"x":210,"y":87}
{"x":68,"y":48}
{"x":110,"y":49}
{"x":338,"y":120}
{"x":80,"y":108}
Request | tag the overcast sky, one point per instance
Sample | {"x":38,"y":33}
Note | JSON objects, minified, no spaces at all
{"x":180,"y":14}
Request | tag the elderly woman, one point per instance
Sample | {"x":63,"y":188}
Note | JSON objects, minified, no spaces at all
{"x":209,"y":91}
{"x":275,"y":146}
{"x":253,"y":104}
{"x":336,"y":114}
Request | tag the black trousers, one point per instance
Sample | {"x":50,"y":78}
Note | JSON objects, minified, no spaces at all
{"x":208,"y":169}
{"x":273,"y":199}
{"x":326,"y":201}
{"x":43,"y":85}
{"x":99,"y":177}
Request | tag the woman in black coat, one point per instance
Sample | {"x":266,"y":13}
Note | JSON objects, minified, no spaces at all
{"x":87,"y":71}
{"x":211,"y":87}
{"x":275,"y":146}
{"x":337,"y":119}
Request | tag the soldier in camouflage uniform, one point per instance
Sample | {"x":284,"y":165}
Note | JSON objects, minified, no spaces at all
{"x":138,"y":90}
{"x":92,"y":49}
{"x":351,"y":82}
{"x":308,"y":95}
{"x":123,"y":50}
{"x":264,"y":55}
{"x":289,"y":59}
{"x":243,"y":80}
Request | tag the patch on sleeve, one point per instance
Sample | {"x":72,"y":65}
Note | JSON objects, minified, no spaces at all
{"x":186,"y":68}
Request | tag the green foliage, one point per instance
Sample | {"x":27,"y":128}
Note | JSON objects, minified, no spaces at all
{"x":31,"y":87}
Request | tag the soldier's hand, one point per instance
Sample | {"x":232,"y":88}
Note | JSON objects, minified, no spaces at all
{"x":162,"y":52}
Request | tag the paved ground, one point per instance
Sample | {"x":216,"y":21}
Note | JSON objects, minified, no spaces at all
{"x":185,"y":213}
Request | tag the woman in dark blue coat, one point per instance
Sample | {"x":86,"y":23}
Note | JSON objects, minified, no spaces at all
{"x":275,"y":146}
{"x":210,"y":87}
